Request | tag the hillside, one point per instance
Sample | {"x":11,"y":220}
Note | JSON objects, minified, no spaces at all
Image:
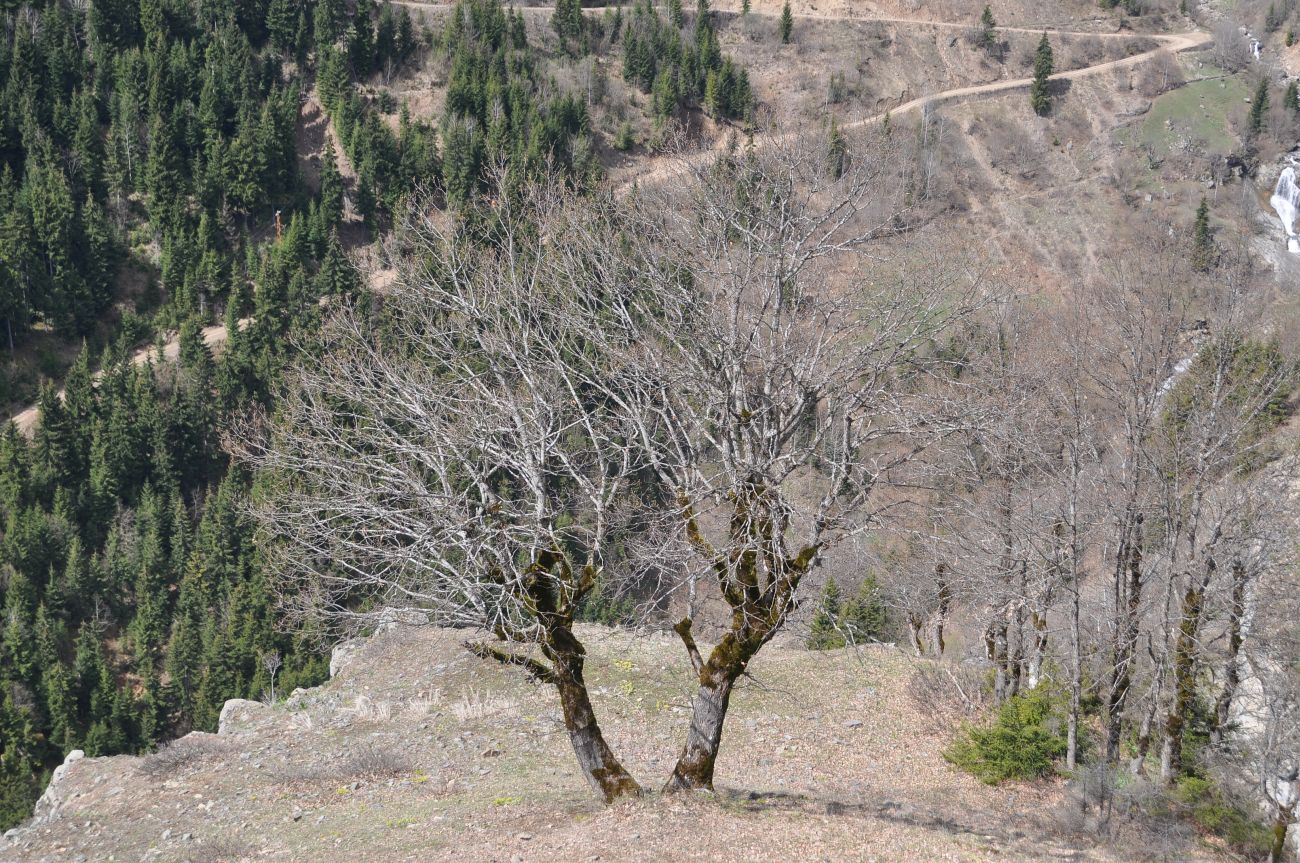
{"x":968,"y":327}
{"x":417,"y":750}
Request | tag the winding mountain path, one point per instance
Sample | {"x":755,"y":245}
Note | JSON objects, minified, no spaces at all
{"x":214,"y":336}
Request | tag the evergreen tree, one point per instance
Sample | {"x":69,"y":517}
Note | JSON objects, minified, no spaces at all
{"x":836,"y":150}
{"x":988,"y":29}
{"x":1040,"y":96}
{"x":825,"y":632}
{"x":866,"y":618}
{"x":1258,"y":109}
{"x":1202,"y":243}
{"x":787,"y":23}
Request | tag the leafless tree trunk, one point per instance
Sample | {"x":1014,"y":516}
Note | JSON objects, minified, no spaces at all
{"x":1232,"y":658}
{"x":778,"y":396}
{"x":448,"y":466}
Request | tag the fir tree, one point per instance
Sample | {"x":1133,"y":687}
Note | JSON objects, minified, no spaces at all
{"x":836,"y":150}
{"x":1040,"y":96}
{"x":1258,"y":109}
{"x":787,"y":23}
{"x":1202,"y":243}
{"x":988,"y":29}
{"x":825,"y":632}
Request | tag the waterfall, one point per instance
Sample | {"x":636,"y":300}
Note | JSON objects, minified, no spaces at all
{"x":1286,"y":201}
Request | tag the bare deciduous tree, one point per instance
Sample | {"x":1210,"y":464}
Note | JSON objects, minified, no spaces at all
{"x":788,"y":377}
{"x":450,"y":461}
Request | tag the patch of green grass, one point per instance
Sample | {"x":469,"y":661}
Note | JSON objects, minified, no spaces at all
{"x":1198,"y":111}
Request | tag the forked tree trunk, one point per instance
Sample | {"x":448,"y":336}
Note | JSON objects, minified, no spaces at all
{"x":945,"y":604}
{"x":914,"y":634}
{"x":718,"y":675}
{"x":597,"y":761}
{"x":563,"y":669}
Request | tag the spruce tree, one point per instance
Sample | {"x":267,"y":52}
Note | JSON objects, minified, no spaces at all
{"x":1202,"y":242}
{"x":988,"y":29}
{"x":787,"y":23}
{"x":836,"y":151}
{"x":866,"y":618}
{"x":825,"y":632}
{"x":1258,"y":109}
{"x":1040,"y":96}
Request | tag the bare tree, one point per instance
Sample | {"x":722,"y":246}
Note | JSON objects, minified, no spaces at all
{"x":789,"y":377}
{"x":1136,"y":340}
{"x":271,"y":662}
{"x":449,"y":461}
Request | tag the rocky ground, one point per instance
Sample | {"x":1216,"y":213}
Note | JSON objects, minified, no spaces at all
{"x":418,"y":751}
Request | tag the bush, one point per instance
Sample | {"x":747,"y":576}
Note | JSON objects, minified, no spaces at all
{"x":1021,"y":742}
{"x":1215,"y":811}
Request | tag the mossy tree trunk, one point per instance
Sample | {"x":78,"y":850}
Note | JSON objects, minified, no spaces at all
{"x":1184,"y":673}
{"x":554,"y":589}
{"x":717,"y":677}
{"x":1128,"y":607}
{"x":1282,"y":821}
{"x":758,"y":580}
{"x":597,"y":761}
{"x":1231,"y":662}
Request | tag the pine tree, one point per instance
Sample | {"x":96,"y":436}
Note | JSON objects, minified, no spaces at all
{"x":1258,"y":109}
{"x":744,"y":7}
{"x":787,"y":23}
{"x":1202,"y":242}
{"x":866,"y":617}
{"x":675,"y":13}
{"x":1291,"y":99}
{"x":1040,"y":96}
{"x":988,"y":29}
{"x":825,"y":631}
{"x":836,"y":150}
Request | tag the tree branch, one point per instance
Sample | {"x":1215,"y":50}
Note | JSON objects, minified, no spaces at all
{"x":536,"y":670}
{"x":683,"y":629}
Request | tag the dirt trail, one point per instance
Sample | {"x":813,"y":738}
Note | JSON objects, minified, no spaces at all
{"x":213,"y":337}
{"x":1175,"y":43}
{"x":1172,"y":43}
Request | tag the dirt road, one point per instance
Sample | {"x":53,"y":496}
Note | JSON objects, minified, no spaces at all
{"x":26,"y":419}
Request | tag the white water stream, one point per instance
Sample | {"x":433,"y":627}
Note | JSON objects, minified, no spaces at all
{"x":1286,"y":202}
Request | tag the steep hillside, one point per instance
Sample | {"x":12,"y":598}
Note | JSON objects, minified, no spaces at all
{"x":417,"y":751}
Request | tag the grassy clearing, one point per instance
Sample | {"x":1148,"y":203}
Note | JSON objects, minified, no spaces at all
{"x":1197,"y":113}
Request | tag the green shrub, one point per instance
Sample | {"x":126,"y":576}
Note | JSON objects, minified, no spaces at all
{"x":1022,"y":741}
{"x":1215,"y":811}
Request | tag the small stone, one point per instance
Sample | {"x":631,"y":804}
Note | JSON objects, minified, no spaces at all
{"x":167,"y":834}
{"x":491,"y":752}
{"x":853,"y":723}
{"x":525,"y":836}
{"x":297,"y":815}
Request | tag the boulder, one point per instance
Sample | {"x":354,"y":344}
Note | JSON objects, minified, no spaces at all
{"x":237,"y":712}
{"x":343,"y":654}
